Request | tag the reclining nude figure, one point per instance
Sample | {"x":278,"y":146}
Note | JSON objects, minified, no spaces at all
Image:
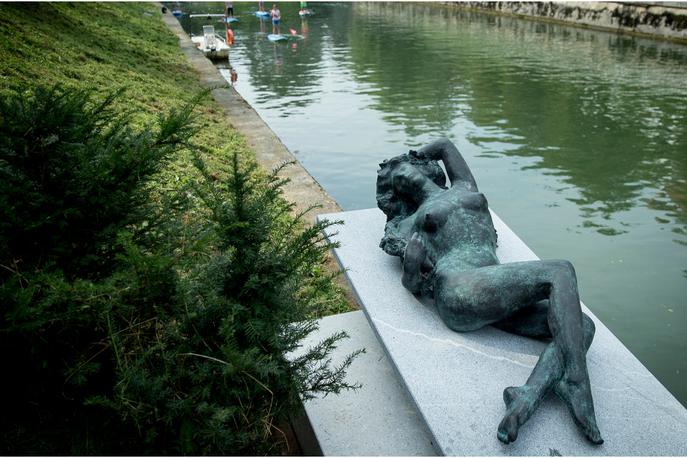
{"x":446,"y":240}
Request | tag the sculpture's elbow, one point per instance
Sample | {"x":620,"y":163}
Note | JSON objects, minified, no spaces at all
{"x":445,"y":144}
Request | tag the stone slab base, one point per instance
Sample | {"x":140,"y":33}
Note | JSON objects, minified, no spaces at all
{"x":456,"y":380}
{"x":378,"y":419}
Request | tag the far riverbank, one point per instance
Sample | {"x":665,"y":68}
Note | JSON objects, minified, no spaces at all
{"x":658,"y":20}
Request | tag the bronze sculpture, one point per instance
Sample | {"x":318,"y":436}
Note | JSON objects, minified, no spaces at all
{"x":446,"y":240}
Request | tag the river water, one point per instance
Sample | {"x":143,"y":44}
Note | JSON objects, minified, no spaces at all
{"x":578,"y":138}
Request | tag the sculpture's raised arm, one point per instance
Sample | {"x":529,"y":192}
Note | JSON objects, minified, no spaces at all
{"x":456,"y":167}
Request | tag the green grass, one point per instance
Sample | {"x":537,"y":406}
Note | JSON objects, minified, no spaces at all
{"x":108,"y":46}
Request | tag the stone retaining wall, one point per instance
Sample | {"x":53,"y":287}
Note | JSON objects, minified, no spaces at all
{"x":667,"y":20}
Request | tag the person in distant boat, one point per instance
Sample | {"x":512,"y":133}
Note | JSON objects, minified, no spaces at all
{"x":303,"y":9}
{"x":276,"y":17}
{"x":230,"y":9}
{"x":261,"y":6}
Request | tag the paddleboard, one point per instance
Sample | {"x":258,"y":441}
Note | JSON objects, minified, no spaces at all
{"x":206,"y":15}
{"x":275,"y":37}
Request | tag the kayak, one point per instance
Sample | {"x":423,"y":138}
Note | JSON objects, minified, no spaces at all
{"x":230,"y":20}
{"x":276,"y":37}
{"x":262,"y":13}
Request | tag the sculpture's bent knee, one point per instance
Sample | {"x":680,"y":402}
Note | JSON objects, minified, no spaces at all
{"x":562,"y":267}
{"x":589,"y":329}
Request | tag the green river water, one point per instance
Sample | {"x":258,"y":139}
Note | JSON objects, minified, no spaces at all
{"x":578,"y":138}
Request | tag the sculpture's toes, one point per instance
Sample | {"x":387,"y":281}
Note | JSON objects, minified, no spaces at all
{"x":508,"y":429}
{"x":595,"y":436}
{"x":578,"y":397}
{"x":592,"y":432}
{"x":518,"y":407}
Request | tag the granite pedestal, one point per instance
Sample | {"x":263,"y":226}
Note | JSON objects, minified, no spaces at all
{"x":456,"y":380}
{"x":379,"y":419}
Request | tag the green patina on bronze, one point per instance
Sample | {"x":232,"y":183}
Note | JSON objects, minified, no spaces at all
{"x":446,"y":240}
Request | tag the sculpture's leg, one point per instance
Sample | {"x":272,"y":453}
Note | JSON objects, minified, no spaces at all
{"x":469,"y":300}
{"x":521,"y":402}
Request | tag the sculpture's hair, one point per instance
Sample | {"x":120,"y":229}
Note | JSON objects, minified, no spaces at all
{"x":393,"y":205}
{"x":396,"y":207}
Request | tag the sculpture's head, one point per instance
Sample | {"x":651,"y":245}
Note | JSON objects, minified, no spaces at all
{"x":400,"y":182}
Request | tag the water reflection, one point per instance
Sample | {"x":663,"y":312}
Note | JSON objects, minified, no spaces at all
{"x":609,"y":119}
{"x":577,"y":137}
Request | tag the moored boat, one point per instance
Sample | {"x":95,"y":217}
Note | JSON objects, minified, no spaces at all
{"x":212,"y":45}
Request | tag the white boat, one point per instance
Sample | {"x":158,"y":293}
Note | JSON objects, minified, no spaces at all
{"x":212,"y":45}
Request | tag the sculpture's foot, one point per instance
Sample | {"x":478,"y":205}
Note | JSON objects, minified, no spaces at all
{"x":578,"y":398}
{"x":521,"y":403}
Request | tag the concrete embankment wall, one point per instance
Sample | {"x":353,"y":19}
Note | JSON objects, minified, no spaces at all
{"x":666,"y":20}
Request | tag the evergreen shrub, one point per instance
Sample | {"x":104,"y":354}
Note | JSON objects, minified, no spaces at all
{"x":74,"y":180}
{"x":218,"y":371}
{"x":72,"y":173}
{"x":149,"y":327}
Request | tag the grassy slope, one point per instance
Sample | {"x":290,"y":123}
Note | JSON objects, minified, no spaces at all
{"x":109,"y":46}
